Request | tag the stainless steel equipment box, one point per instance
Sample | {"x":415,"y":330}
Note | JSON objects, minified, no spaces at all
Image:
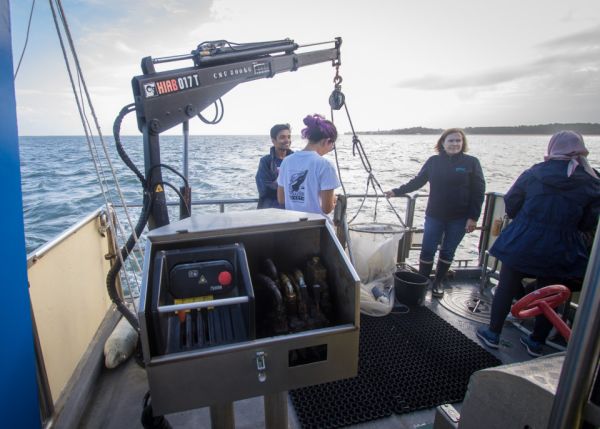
{"x":246,"y":365}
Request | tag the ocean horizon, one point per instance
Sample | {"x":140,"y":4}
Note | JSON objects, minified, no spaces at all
{"x":60,"y":186}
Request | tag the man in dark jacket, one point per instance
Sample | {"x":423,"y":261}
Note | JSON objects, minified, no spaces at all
{"x":268,"y":167}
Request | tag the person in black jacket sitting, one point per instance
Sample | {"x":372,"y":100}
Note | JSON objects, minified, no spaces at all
{"x":553,"y":205}
{"x":268,"y":167}
{"x":456,"y":193}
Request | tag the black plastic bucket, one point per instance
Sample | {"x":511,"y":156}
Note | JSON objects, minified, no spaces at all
{"x":410,"y":287}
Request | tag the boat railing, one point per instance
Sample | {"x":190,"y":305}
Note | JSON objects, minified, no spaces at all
{"x":221,"y":204}
{"x":69,"y":273}
{"x":412,"y":207}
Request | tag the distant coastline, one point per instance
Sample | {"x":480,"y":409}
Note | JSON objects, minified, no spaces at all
{"x":543,"y":129}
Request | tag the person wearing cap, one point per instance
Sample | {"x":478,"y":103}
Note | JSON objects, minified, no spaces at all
{"x":268,"y":167}
{"x":552,"y":205}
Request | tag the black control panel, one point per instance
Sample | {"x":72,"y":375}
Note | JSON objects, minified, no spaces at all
{"x":183,"y":280}
{"x":189,"y":280}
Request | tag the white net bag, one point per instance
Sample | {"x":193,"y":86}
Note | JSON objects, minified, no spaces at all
{"x":374,"y":250}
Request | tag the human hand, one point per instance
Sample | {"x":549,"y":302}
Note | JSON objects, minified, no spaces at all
{"x":390,"y":194}
{"x":470,"y":225}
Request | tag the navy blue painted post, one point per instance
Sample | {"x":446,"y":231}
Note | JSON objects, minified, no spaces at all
{"x":18,"y":387}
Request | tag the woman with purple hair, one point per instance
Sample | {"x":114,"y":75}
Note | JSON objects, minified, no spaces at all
{"x":307,"y":181}
{"x":552,"y":204}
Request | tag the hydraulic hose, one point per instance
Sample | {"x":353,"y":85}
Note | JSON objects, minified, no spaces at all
{"x":111,"y":277}
{"x":111,"y":283}
{"x":120,"y":150}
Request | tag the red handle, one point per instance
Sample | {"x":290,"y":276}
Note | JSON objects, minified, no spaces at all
{"x":542,"y":301}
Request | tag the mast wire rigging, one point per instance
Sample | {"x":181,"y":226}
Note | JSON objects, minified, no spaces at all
{"x":133,"y":241}
{"x":26,"y":41}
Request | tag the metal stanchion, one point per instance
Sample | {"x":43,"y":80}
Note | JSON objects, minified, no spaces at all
{"x":221,"y":416}
{"x":276,"y":416}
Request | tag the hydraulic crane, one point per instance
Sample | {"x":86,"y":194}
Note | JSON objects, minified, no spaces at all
{"x":169,"y":98}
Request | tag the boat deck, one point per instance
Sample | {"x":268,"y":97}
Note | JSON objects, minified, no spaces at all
{"x":118,"y":397}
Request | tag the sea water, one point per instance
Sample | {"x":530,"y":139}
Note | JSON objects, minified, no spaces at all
{"x":60,"y":183}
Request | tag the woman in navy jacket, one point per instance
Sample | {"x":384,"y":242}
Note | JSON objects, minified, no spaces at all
{"x":552,"y":204}
{"x":456,"y":192}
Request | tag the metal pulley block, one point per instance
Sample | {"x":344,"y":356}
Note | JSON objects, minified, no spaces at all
{"x":337,"y":98}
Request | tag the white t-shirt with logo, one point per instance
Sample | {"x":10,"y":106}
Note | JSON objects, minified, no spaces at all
{"x":303,"y":175}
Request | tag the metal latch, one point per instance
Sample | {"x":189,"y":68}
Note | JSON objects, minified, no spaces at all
{"x":261,"y":366}
{"x":451,"y":412}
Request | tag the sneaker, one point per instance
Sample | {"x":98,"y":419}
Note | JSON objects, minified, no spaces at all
{"x":533,"y":347}
{"x":488,"y":337}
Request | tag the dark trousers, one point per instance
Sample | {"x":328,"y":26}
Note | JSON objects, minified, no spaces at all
{"x":509,"y":288}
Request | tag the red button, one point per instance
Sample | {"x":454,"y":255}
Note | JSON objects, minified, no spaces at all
{"x":224,"y":278}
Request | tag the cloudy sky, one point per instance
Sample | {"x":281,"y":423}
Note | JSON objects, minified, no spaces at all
{"x":431,"y":63}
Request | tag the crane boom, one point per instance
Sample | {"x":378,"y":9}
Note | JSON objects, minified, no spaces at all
{"x":169,"y":98}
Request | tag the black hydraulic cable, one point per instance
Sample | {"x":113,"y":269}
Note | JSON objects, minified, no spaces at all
{"x":26,"y":41}
{"x":120,"y":150}
{"x":111,"y":284}
{"x":168,"y":167}
{"x":268,"y":42}
{"x":126,"y":250}
{"x":178,"y":192}
{"x":218,"y":114}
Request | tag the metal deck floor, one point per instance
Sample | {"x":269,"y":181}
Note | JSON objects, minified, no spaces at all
{"x":118,"y":398}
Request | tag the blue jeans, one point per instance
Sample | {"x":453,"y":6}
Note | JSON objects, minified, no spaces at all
{"x":449,"y":233}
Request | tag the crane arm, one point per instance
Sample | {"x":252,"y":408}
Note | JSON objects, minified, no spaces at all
{"x":169,"y":98}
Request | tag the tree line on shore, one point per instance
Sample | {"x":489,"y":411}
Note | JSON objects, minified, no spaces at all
{"x":583,"y":128}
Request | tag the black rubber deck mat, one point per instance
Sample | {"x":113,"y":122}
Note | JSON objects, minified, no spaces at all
{"x":407,"y":362}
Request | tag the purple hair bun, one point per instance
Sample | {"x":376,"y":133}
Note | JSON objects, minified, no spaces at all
{"x":315,"y":125}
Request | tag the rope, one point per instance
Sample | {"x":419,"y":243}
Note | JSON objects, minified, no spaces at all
{"x":344,"y":224}
{"x":118,"y":228}
{"x":336,"y":101}
{"x":26,"y":41}
{"x":357,"y":147}
{"x":92,"y":145}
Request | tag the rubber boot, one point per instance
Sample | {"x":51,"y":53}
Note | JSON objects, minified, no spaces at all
{"x":437,"y":289}
{"x":149,"y":420}
{"x":425,"y":268}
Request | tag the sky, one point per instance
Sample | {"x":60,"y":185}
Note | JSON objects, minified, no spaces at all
{"x":430,"y":63}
